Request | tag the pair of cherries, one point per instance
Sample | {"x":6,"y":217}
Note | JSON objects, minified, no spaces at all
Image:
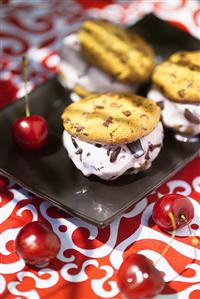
{"x":137,"y":278}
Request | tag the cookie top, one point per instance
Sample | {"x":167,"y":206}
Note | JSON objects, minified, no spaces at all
{"x":122,"y":54}
{"x":179,"y":77}
{"x":111,"y":118}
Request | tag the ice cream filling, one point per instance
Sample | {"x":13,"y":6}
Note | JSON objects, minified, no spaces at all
{"x":74,"y":70}
{"x":184,"y":118}
{"x":111,"y":161}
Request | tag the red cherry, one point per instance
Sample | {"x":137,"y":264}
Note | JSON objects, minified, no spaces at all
{"x":30,"y":132}
{"x":139,"y":279}
{"x":36,"y":243}
{"x":179,"y":205}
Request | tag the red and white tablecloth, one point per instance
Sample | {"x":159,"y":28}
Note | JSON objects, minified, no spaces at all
{"x":89,"y":257}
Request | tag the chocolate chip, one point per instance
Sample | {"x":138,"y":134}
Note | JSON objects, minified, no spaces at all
{"x":160,"y":104}
{"x":119,"y":35}
{"x":189,"y":85}
{"x":113,"y":177}
{"x":87,"y":30}
{"x":122,"y":59}
{"x":144,"y":128}
{"x":153,"y":146}
{"x":136,"y":148}
{"x":181,"y":93}
{"x":195,"y":67}
{"x":79,"y":128}
{"x":115,"y":154}
{"x":184,"y":62}
{"x":88,"y":154}
{"x":74,"y":142}
{"x":191,"y":117}
{"x":147,"y":157}
{"x":161,"y":88}
{"x":79,"y":151}
{"x":99,"y":107}
{"x":127,"y":113}
{"x":150,"y":149}
{"x":107,"y":122}
{"x":182,"y":54}
{"x":99,"y":168}
{"x":98,"y":145}
{"x":108,"y":151}
{"x":85,"y":113}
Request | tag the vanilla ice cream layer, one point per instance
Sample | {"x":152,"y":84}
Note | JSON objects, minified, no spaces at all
{"x":111,"y":161}
{"x":74,"y":70}
{"x":184,"y":118}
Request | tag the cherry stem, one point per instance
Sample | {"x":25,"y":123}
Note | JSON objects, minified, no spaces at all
{"x":25,"y":64}
{"x":171,"y":216}
{"x":195,"y":240}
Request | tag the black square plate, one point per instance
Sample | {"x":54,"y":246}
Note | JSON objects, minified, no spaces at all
{"x":49,"y":173}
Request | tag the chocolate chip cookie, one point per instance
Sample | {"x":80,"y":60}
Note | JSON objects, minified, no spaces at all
{"x":122,"y":54}
{"x":178,"y":77}
{"x":111,"y":118}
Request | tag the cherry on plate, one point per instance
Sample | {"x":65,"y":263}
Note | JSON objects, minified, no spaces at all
{"x":138,"y":278}
{"x":178,"y":205}
{"x":30,"y":132}
{"x":37,"y":244}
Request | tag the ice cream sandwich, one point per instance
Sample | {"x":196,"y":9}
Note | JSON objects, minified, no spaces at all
{"x":102,"y":57}
{"x":177,"y":89}
{"x":112,"y":134}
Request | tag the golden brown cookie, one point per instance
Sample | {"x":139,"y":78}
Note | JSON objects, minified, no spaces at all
{"x":111,"y":118}
{"x":122,"y":54}
{"x":179,"y":77}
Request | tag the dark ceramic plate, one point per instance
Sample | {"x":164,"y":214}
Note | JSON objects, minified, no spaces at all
{"x":49,"y":173}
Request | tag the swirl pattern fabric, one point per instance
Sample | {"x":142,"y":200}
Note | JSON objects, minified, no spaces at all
{"x":87,"y":263}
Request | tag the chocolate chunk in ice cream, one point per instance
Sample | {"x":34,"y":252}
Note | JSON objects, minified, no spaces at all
{"x":136,"y":148}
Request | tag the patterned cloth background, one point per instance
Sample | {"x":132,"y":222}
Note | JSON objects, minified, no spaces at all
{"x":37,"y":27}
{"x":89,"y":258}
